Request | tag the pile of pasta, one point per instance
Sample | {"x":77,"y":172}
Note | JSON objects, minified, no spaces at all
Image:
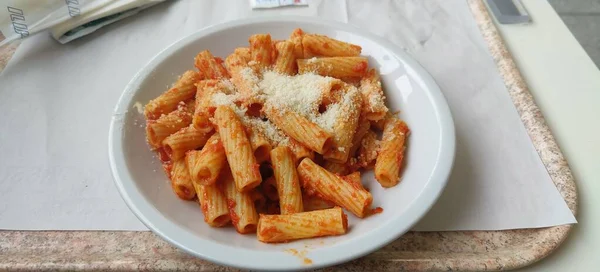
{"x":273,"y":138}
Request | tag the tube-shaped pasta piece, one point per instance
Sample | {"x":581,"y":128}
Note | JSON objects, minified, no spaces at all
{"x":260,"y":145}
{"x":277,"y":138}
{"x":261,"y":49}
{"x":367,"y":153}
{"x":313,"y":203}
{"x":205,"y":165}
{"x":159,"y":129}
{"x":274,"y":52}
{"x":300,"y":128}
{"x":236,"y":61}
{"x":183,"y":89}
{"x":180,"y":180}
{"x":389,"y":160}
{"x":296,"y":39}
{"x":209,"y":66}
{"x":373,"y":98}
{"x":244,"y":77}
{"x":244,"y":53}
{"x":363,"y":128}
{"x":288,"y":185}
{"x":286,"y":59}
{"x":202,"y":111}
{"x":345,"y":126}
{"x":188,"y":138}
{"x":237,"y":149}
{"x":338,"y":67}
{"x":213,"y":203}
{"x":354,"y":178}
{"x":331,"y":187}
{"x":205,"y":106}
{"x":241,"y":205}
{"x":283,"y":228}
{"x":324,"y":46}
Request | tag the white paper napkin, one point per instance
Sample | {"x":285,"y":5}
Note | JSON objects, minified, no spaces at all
{"x":57,"y":102}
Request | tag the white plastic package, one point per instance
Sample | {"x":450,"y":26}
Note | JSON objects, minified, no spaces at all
{"x":65,"y":19}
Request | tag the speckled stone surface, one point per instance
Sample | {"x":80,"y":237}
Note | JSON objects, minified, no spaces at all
{"x":415,"y":251}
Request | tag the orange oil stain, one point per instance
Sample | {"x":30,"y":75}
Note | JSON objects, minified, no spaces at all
{"x":301,"y":254}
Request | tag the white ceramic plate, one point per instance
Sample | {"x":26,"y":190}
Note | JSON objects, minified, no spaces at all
{"x":429,"y":156}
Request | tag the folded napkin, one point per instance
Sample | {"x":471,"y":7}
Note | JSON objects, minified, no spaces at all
{"x":65,"y":19}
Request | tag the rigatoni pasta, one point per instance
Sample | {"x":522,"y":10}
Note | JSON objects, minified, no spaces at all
{"x":213,"y":203}
{"x":285,"y":228}
{"x":302,"y":130}
{"x":241,"y":205}
{"x":286,"y":58}
{"x":331,"y":187}
{"x":188,"y":138}
{"x":368,"y":151}
{"x":389,"y":160}
{"x":210,"y":67}
{"x":159,"y":129}
{"x":181,"y":181}
{"x":288,"y":184}
{"x":205,"y":165}
{"x":338,"y":67}
{"x":320,"y":45}
{"x":345,"y":126}
{"x":372,"y":93}
{"x":183,"y":89}
{"x":205,"y":105}
{"x":261,"y":49}
{"x":238,"y":150}
{"x":260,"y":145}
{"x":277,"y":135}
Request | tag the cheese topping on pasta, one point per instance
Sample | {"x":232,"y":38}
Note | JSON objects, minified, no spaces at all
{"x":300,"y":93}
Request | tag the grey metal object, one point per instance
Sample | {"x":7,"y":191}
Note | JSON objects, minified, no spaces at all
{"x":509,"y":11}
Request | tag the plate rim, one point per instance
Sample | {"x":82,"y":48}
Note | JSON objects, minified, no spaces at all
{"x":430,"y":194}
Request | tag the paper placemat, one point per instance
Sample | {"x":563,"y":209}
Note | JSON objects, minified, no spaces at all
{"x":59,"y":98}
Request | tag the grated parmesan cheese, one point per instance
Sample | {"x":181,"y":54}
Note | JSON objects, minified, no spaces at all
{"x":375,"y":101}
{"x":250,"y":76}
{"x":337,"y":112}
{"x":348,"y":103}
{"x":328,"y":118}
{"x":302,"y":93}
{"x":269,"y":130}
{"x":221,"y":99}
